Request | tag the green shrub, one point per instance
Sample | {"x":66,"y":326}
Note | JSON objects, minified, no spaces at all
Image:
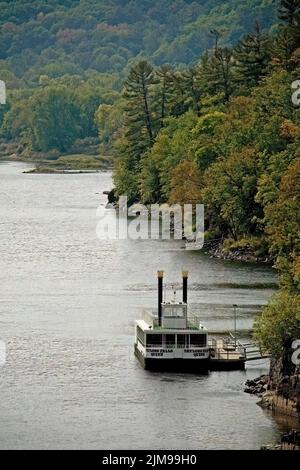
{"x":278,"y":323}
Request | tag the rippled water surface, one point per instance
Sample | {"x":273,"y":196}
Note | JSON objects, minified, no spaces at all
{"x":67,"y":309}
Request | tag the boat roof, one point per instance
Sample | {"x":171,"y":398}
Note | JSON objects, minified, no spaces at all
{"x":145,"y":326}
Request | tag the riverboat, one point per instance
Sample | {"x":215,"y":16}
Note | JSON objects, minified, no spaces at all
{"x":170,"y":338}
{"x":173,"y":338}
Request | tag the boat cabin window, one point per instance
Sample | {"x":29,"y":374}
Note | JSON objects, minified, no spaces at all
{"x":170,"y":340}
{"x":197,"y":340}
{"x":182,"y":341}
{"x":173,"y":311}
{"x":154,"y":340}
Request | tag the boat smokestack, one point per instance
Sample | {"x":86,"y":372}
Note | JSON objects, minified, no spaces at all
{"x":185,"y":275}
{"x":160,"y":277}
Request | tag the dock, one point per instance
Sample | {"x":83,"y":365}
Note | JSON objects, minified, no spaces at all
{"x":228,"y":353}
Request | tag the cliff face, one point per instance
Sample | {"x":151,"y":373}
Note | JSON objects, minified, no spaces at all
{"x":283,"y":395}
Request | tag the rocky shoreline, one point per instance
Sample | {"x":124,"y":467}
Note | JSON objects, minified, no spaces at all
{"x":259,"y":386}
{"x":279,"y":394}
{"x":280,"y":389}
{"x":217,"y":250}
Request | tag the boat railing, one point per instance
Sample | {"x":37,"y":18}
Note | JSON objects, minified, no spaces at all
{"x":237,"y":344}
{"x":177,"y":346}
{"x":151,"y":316}
{"x":226,"y":348}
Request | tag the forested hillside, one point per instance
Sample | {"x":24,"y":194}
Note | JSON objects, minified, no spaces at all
{"x":61,"y":60}
{"x":70,"y":36}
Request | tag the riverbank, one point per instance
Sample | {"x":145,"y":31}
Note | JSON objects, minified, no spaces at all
{"x":239,"y":251}
{"x":65,"y":164}
{"x":71,"y":164}
{"x":248,"y":250}
{"x":82,"y":157}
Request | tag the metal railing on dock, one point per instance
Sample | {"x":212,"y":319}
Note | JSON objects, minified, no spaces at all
{"x":226,"y":349}
{"x":252,"y":350}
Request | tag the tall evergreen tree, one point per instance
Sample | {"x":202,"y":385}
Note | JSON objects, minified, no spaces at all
{"x":165,"y":92}
{"x":192,"y":82}
{"x":252,"y":56}
{"x":179,"y":103}
{"x":288,"y":39}
{"x":289,"y":12}
{"x":284,"y":47}
{"x":217,"y":36}
{"x":140,"y":120}
{"x":217,"y":72}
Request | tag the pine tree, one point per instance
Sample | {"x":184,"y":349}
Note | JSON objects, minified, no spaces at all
{"x":140,"y":120}
{"x":192,"y":82}
{"x":217,"y":72}
{"x":289,"y":12}
{"x":288,"y":39}
{"x":283,"y":48}
{"x":179,"y":104}
{"x":165,"y":92}
{"x":217,"y":36}
{"x":252,"y":56}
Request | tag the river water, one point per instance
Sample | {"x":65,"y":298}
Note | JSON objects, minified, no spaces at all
{"x":67,"y":308}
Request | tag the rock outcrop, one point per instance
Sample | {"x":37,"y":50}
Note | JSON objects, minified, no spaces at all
{"x":259,"y":386}
{"x":280,"y":390}
{"x":284,"y":390}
